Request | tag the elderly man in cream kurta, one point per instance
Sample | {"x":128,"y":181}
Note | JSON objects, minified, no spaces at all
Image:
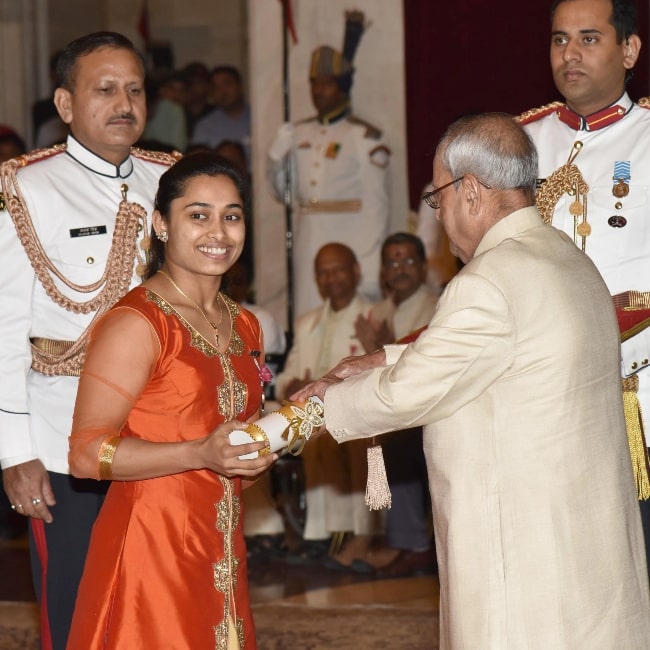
{"x":516,"y":380}
{"x":335,"y":477}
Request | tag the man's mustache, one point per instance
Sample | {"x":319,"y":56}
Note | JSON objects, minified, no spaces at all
{"x":123,"y":116}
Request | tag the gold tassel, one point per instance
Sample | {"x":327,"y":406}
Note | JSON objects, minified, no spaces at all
{"x":635,"y":437}
{"x":377,"y":490}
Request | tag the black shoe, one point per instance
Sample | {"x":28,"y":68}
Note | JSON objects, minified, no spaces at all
{"x":266,"y":547}
{"x":310,"y":551}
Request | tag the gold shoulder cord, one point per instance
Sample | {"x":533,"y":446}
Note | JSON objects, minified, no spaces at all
{"x":116,"y":278}
{"x":566,"y":178}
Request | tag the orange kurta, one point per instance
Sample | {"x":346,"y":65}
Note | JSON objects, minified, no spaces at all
{"x":167,"y":561}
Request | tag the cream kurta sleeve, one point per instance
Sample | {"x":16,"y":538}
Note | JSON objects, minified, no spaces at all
{"x":468,"y":345}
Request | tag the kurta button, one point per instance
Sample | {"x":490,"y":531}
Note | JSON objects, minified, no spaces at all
{"x":618,"y":205}
{"x":634,"y":365}
{"x":645,"y":362}
{"x":90,"y":260}
{"x":139,"y":227}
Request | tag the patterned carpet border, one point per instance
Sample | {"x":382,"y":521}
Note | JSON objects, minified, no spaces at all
{"x":284,"y":626}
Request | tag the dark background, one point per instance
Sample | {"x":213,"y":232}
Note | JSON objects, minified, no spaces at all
{"x":468,"y":56}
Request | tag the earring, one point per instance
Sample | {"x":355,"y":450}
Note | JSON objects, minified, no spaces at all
{"x":162,"y":235}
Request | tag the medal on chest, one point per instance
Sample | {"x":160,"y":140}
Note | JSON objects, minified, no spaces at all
{"x":332,"y":150}
{"x":620,"y":189}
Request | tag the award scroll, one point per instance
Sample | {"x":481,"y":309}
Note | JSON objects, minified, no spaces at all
{"x":288,"y":427}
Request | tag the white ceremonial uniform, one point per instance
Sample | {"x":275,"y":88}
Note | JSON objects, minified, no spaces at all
{"x":72,"y":198}
{"x":341,"y":185}
{"x":322,"y":338}
{"x":621,"y":254}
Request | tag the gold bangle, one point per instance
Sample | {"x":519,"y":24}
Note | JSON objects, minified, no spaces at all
{"x":259,"y":435}
{"x":105,"y":457}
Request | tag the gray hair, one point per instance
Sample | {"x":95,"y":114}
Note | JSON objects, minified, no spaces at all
{"x":492,"y":147}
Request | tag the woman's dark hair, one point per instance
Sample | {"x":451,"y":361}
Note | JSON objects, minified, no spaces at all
{"x":172,"y":185}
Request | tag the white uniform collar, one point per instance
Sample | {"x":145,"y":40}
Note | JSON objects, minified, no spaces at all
{"x":89,"y":160}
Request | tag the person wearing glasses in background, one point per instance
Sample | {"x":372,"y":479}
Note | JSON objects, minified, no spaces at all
{"x":409,"y":306}
{"x":593,"y":180}
{"x":515,"y":379}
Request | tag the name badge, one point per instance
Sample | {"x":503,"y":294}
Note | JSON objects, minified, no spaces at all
{"x":87,"y":231}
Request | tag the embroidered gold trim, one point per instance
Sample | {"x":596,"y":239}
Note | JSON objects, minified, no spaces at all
{"x":226,"y":570}
{"x":105,"y":457}
{"x":239,"y":625}
{"x":539,"y":111}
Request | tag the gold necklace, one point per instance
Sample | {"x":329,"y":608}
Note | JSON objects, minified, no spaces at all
{"x":214,"y":326}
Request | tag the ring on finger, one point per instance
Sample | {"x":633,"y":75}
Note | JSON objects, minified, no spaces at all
{"x":36,"y":501}
{"x":19,"y":505}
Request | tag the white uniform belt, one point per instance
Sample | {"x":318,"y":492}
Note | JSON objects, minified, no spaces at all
{"x":350,"y":205}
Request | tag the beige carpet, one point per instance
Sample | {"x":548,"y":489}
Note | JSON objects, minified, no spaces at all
{"x":298,"y":627}
{"x":284,"y":627}
{"x":18,"y":626}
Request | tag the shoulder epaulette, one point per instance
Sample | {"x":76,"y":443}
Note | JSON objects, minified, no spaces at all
{"x":9,"y":167}
{"x":372,"y":132}
{"x":644,"y":102}
{"x":159,"y":157}
{"x":35,"y":156}
{"x":535,"y":114}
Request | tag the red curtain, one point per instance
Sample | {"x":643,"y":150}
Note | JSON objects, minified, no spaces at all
{"x":469,"y":56}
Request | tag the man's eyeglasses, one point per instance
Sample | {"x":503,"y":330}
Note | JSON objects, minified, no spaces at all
{"x":407,"y":262}
{"x":432,"y":201}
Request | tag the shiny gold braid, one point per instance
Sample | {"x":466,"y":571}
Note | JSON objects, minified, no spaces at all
{"x":565,"y":178}
{"x":116,"y":278}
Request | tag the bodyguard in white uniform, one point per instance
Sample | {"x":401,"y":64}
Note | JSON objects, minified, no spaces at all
{"x":339,"y":170}
{"x":74,"y":227}
{"x":594,"y":179}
